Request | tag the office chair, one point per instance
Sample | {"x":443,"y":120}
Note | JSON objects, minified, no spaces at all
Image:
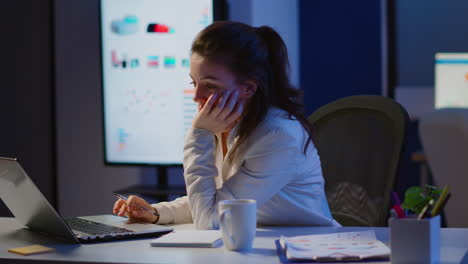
{"x":444,"y":138}
{"x":360,"y":140}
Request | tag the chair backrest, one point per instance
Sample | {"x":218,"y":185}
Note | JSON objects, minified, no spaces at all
{"x":444,"y":138}
{"x":360,"y":140}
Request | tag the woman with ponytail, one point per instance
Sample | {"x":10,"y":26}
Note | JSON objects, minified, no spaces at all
{"x":249,"y":139}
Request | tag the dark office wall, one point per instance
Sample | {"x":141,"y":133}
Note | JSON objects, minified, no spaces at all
{"x":85,"y":184}
{"x":340,"y":50}
{"x":341,"y":55}
{"x":26,"y":91}
{"x":425,"y":27}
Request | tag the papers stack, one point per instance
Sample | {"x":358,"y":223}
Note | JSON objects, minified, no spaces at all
{"x":348,"y":246}
{"x":198,"y":238}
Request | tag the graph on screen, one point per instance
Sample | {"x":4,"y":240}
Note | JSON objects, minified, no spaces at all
{"x":451,"y":80}
{"x":147,"y":96}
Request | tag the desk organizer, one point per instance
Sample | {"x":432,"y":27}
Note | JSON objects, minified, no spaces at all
{"x":415,"y":241}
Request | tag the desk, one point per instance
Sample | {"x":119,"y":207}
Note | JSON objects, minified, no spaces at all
{"x":454,"y":247}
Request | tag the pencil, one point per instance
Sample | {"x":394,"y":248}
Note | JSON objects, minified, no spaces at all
{"x":137,"y":205}
{"x":441,"y":201}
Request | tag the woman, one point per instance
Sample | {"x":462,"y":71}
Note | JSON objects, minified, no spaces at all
{"x":249,"y":139}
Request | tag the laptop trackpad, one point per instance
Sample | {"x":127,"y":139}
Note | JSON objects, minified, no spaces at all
{"x":123,"y":222}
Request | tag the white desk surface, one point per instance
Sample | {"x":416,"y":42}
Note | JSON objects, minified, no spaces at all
{"x":454,"y":247}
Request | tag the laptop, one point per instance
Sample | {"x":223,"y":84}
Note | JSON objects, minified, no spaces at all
{"x":31,"y":209}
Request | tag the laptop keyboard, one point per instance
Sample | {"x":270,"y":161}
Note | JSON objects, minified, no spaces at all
{"x":94,"y":228}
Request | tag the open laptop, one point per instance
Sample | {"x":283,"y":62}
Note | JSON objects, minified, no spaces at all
{"x":31,"y":209}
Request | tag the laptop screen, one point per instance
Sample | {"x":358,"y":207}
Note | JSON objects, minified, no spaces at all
{"x":451,"y":80}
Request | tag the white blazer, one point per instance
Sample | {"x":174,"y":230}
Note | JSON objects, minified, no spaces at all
{"x":269,"y":167}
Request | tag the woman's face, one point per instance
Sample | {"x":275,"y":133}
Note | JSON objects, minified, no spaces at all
{"x":208,"y":78}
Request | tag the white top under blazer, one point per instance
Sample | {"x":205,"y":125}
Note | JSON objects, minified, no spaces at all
{"x":269,"y":167}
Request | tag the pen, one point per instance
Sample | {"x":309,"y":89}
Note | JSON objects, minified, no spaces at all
{"x":137,"y":205}
{"x":425,"y":209}
{"x":397,"y":206}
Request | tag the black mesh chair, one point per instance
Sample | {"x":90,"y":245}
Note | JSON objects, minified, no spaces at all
{"x":360,"y":140}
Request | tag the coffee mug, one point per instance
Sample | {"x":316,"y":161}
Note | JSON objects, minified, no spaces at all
{"x":238,"y":223}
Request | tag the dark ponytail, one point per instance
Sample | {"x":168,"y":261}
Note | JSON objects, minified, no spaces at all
{"x":288,"y":97}
{"x":258,"y":54}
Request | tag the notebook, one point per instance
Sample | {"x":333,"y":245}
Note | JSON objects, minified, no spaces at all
{"x":198,"y":238}
{"x":346,"y":246}
{"x":31,"y":209}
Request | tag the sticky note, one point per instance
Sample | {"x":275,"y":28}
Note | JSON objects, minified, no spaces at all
{"x":30,"y":250}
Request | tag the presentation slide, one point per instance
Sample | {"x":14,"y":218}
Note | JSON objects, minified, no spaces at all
{"x":451,"y":80}
{"x":147,"y":95}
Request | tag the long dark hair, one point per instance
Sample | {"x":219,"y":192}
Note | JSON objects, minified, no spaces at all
{"x":254,"y":53}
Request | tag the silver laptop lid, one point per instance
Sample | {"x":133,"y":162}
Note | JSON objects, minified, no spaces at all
{"x":28,"y":204}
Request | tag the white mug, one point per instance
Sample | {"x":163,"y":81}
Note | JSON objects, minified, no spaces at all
{"x":238,"y":223}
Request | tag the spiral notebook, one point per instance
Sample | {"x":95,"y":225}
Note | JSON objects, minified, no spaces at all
{"x":346,"y":246}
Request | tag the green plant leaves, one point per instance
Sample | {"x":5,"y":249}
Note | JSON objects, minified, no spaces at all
{"x":417,"y":197}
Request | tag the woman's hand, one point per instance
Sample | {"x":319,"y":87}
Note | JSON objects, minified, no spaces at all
{"x":133,"y":212}
{"x":220,"y":115}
